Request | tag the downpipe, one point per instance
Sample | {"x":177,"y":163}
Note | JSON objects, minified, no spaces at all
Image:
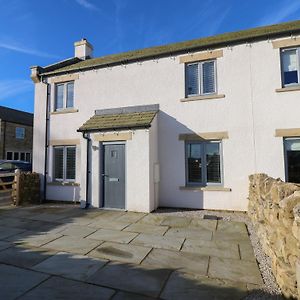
{"x":85,"y":135}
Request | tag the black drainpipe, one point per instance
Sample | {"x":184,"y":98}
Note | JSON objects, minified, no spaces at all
{"x":85,"y":135}
{"x":46,"y":140}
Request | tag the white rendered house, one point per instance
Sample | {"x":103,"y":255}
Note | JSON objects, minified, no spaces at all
{"x":181,"y":125}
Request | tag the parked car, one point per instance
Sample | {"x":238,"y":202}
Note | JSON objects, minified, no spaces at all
{"x":9,"y":166}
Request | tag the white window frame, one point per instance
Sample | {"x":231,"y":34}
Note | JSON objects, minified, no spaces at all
{"x":65,"y":95}
{"x":22,"y":133}
{"x":64,"y":179}
{"x":19,"y":155}
{"x":200,"y":76}
{"x":203,"y":162}
{"x":298,"y":66}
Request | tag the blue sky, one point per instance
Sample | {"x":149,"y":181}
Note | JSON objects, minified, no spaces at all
{"x":35,"y":32}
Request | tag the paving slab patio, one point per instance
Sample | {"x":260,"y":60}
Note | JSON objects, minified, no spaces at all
{"x":127,"y":277}
{"x":101,"y":254}
{"x":26,"y":280}
{"x":194,"y":287}
{"x":72,"y":245}
{"x":120,"y":252}
{"x":113,"y":236}
{"x":71,"y":266}
{"x":66,"y":289}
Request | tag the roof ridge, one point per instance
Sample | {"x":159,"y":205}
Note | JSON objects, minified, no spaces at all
{"x":203,"y":43}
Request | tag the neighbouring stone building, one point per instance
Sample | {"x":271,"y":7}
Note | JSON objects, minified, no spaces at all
{"x":16,"y":134}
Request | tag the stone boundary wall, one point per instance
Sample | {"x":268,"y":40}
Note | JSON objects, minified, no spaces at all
{"x":274,"y":209}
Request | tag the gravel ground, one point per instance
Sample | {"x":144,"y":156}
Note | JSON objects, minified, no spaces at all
{"x":270,"y":289}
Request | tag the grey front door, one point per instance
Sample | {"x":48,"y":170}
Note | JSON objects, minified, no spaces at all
{"x":114,"y":176}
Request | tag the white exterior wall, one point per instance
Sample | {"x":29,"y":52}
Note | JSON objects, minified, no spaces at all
{"x":250,"y":113}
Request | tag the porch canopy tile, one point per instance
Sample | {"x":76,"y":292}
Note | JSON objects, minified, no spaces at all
{"x":131,"y":117}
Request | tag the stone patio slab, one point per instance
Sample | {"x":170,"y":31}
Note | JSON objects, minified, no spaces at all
{"x":195,"y":287}
{"x":109,"y":224}
{"x":205,"y":224}
{"x":211,"y":248}
{"x":5,"y":245}
{"x":131,"y":217}
{"x":173,"y":221}
{"x":186,"y":262}
{"x":72,"y":244}
{"x":120,"y":252}
{"x":158,"y":241}
{"x":234,"y":270}
{"x":143,"y":280}
{"x":229,"y":236}
{"x":66,"y":289}
{"x":71,"y":266}
{"x":130,"y":296}
{"x":24,"y":257}
{"x":146,"y":228}
{"x":232,"y":227}
{"x":32,"y":238}
{"x":190,"y":233}
{"x":152,"y":219}
{"x":113,"y":236}
{"x":246,"y":251}
{"x":16,"y":281}
{"x":6,"y":232}
{"x":77,"y":231}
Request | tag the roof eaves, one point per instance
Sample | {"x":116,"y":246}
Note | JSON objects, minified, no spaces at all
{"x":225,"y":39}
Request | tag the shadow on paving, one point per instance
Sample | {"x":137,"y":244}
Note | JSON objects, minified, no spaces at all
{"x":35,"y":265}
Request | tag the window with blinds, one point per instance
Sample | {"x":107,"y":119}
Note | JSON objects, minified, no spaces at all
{"x":201,"y":78}
{"x":64,"y":95}
{"x":64,"y":168}
{"x":203,"y":163}
{"x":290,"y":66}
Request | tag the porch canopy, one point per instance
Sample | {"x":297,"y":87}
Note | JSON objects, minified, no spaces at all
{"x":122,"y":118}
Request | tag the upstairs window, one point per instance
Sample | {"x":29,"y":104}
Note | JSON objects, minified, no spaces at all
{"x":203,"y":163}
{"x":64,"y":95}
{"x":20,"y":133}
{"x":201,"y":78}
{"x":290,"y":66}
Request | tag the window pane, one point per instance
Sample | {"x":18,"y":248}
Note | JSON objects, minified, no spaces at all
{"x":213,"y":170}
{"x":293,"y":160}
{"x":28,"y":157}
{"x":22,"y":156}
{"x":58,"y":163}
{"x":71,"y":162}
{"x":194,"y":164}
{"x":208,"y":71}
{"x":70,"y":94}
{"x":59,"y":96}
{"x":9,"y":155}
{"x":20,"y":132}
{"x":192,"y":77}
{"x":16,"y":155}
{"x":290,"y":66}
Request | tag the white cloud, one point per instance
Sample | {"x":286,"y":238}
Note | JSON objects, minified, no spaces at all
{"x":280,"y":14}
{"x":25,"y":50}
{"x":86,"y":4}
{"x":10,"y":88}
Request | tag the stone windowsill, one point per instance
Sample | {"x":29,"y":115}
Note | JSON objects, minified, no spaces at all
{"x":65,"y":183}
{"x":288,"y":89}
{"x":205,"y":188}
{"x":64,"y":111}
{"x":203,"y":97}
